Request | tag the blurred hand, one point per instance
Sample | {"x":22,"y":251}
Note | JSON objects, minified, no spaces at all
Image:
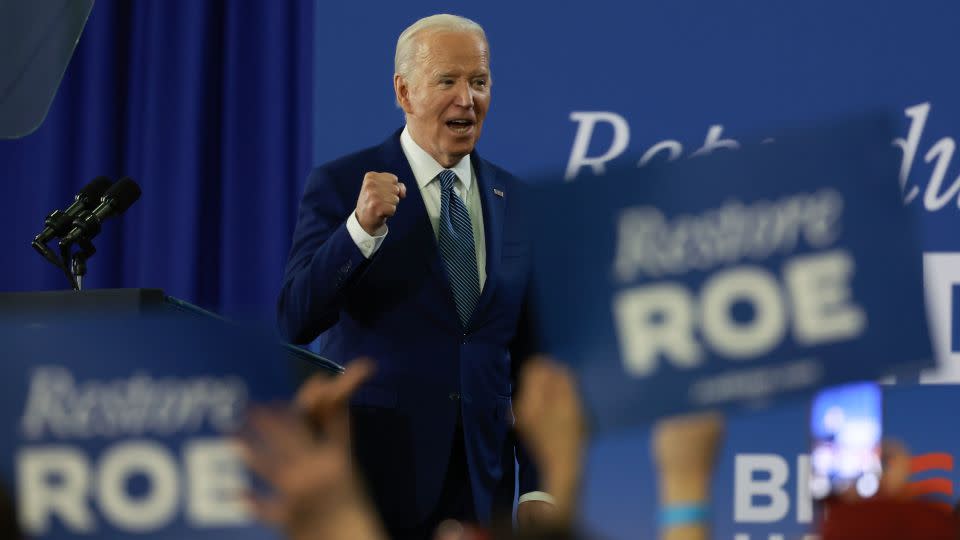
{"x":316,"y":492}
{"x":550,"y":420}
{"x":896,"y":470}
{"x":451,"y":529}
{"x":895,"y":478}
{"x":688,"y":441}
{"x":325,"y":401}
{"x":685,"y":450}
{"x":379,"y":196}
{"x":535,"y":514}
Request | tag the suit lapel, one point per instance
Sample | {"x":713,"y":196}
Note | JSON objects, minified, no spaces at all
{"x":411,"y":218}
{"x":492,"y":202}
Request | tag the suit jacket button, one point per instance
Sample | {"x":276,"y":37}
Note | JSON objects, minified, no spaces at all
{"x":454,"y":396}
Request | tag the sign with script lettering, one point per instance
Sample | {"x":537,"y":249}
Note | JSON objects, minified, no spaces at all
{"x":121,"y":427}
{"x":732,"y":277}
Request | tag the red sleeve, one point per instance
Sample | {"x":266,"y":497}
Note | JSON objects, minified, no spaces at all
{"x":888,"y":520}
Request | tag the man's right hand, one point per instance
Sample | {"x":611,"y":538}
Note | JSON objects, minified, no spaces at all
{"x":379,"y":197}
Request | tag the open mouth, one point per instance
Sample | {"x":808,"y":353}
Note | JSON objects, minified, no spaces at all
{"x":460,"y":125}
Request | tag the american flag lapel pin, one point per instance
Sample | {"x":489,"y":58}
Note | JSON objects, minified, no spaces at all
{"x":498,"y":192}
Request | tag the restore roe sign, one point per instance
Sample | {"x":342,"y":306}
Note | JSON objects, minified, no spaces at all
{"x":732,"y":277}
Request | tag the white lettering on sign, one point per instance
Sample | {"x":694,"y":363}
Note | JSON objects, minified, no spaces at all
{"x":760,"y":493}
{"x":760,"y":499}
{"x":663,"y":320}
{"x":39,"y":497}
{"x":586,"y":121}
{"x":656,"y":320}
{"x":935,"y":197}
{"x":938,"y":189}
{"x":822,"y":300}
{"x":761,"y":496}
{"x":61,"y":407}
{"x":742,"y":340}
{"x":60,"y":482}
{"x":216,"y":483}
{"x":145,"y":512}
{"x":650,"y":245}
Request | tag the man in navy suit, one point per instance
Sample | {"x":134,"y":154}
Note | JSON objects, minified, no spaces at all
{"x":414,"y":253}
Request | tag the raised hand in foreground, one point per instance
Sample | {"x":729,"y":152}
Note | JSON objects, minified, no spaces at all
{"x":303,"y":455}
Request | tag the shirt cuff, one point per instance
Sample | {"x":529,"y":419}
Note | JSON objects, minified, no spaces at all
{"x":537,"y":496}
{"x":368,"y":245}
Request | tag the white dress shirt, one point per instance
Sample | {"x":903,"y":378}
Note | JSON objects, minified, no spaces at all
{"x":425,"y":170}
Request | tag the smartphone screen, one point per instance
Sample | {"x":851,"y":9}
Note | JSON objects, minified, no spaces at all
{"x":846,"y":428}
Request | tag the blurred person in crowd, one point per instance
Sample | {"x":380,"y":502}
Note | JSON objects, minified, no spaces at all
{"x":550,"y":419}
{"x":413,"y":252}
{"x":316,"y":491}
{"x":318,"y":494}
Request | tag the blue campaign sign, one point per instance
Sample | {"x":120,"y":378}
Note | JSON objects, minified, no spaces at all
{"x":732,"y":277}
{"x":119,"y":427}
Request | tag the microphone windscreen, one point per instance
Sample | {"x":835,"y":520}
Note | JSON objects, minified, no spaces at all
{"x":95,"y":190}
{"x":124,"y":193}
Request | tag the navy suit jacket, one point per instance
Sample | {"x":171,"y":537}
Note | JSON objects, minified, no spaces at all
{"x":397,"y":307}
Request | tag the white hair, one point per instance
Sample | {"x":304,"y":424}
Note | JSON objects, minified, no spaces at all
{"x":404,"y":60}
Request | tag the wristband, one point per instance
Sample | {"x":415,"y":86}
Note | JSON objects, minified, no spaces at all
{"x":683,"y":514}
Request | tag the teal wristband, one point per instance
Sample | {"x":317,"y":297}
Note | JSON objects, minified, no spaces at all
{"x":683,"y":514}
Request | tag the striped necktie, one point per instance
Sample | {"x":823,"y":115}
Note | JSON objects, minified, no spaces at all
{"x":457,"y":248}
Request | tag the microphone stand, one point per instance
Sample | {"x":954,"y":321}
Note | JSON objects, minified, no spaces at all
{"x":78,"y":266}
{"x":47,"y":253}
{"x":75,"y":265}
{"x":114,"y":201}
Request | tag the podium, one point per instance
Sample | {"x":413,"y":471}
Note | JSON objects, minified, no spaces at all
{"x":117,"y":304}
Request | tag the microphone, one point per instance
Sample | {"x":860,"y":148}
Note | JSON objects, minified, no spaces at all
{"x":59,"y":223}
{"x":115,"y":201}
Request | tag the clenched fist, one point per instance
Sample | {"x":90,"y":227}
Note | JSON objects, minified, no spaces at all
{"x":379,"y":197}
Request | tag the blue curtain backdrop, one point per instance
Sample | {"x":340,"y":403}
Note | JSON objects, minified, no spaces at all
{"x":207,"y":104}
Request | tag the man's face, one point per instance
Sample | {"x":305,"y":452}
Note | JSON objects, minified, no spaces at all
{"x":447,"y":96}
